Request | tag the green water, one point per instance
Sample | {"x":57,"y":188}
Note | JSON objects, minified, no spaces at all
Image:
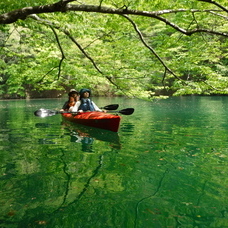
{"x":166,"y":167}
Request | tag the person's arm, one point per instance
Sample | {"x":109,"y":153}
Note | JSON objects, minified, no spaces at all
{"x":96,"y":108}
{"x":75,"y":107}
{"x":65,"y":106}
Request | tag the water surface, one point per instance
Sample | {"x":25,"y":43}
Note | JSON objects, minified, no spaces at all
{"x":166,"y":167}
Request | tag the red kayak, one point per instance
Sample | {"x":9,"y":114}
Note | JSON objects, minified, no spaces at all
{"x":95,"y":119}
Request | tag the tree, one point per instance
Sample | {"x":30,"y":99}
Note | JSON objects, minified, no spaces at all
{"x":129,"y":50}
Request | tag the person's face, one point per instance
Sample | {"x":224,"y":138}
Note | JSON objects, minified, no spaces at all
{"x":71,"y":101}
{"x":76,"y":96}
{"x":86,"y":95}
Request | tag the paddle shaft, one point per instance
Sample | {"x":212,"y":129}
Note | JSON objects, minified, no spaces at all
{"x":46,"y":112}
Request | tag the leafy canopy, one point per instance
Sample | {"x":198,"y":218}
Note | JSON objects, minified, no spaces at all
{"x":135,"y":48}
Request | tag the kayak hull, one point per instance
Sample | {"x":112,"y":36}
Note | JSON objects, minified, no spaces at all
{"x":95,"y":119}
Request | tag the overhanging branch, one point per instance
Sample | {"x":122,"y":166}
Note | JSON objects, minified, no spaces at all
{"x":64,"y":6}
{"x":216,"y":4}
{"x":67,"y":33}
{"x":151,"y":49}
{"x":61,"y":49}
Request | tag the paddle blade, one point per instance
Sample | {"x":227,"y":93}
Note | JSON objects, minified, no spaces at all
{"x":45,"y":112}
{"x":111,"y":107}
{"x":127,"y":111}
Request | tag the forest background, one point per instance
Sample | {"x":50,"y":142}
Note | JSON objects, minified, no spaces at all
{"x":136,"y":48}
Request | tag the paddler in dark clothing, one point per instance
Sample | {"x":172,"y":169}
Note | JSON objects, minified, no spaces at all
{"x":85,"y":103}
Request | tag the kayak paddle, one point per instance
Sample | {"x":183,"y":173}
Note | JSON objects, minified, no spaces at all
{"x":126,"y":111}
{"x":110,"y":107}
{"x":47,"y":112}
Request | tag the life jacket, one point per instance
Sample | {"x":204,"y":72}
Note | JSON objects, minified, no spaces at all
{"x":86,"y":105}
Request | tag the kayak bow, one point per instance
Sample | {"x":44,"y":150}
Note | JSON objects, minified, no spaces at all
{"x":95,"y":119}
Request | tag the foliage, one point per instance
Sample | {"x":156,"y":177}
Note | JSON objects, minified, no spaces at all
{"x":104,"y":52}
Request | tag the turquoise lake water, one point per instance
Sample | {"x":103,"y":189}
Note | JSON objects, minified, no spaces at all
{"x":166,"y":167}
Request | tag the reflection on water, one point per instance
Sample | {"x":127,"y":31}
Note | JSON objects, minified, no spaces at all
{"x":86,"y":136}
{"x":166,"y":167}
{"x":81,"y":134}
{"x":127,"y":128}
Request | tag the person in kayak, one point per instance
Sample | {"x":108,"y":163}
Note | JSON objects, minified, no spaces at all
{"x":73,"y":97}
{"x":85,"y":103}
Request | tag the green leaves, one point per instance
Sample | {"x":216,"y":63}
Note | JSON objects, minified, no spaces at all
{"x":113,"y":53}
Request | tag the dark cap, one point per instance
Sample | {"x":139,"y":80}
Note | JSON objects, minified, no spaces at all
{"x":84,"y":90}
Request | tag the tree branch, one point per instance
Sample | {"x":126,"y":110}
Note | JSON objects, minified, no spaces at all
{"x":219,"y":15}
{"x":215,"y":3}
{"x":151,"y":49}
{"x":67,"y":33}
{"x":61,"y":49}
{"x":64,"y":6}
